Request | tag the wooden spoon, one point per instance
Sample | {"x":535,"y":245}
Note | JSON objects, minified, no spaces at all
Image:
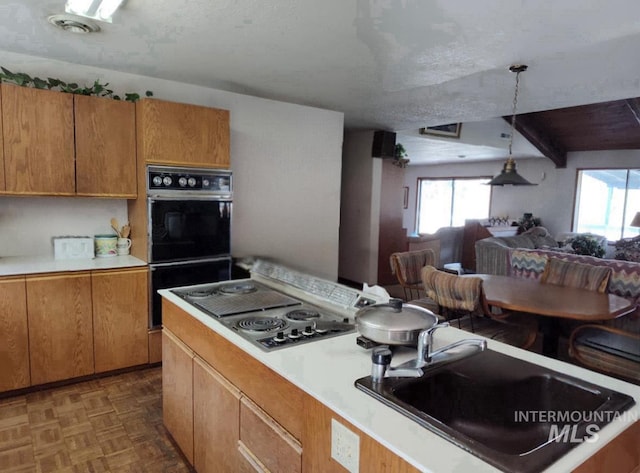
{"x":126,"y":230}
{"x":115,"y":226}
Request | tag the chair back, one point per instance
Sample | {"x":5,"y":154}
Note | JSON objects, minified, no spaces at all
{"x":407,"y":265}
{"x":453,"y":292}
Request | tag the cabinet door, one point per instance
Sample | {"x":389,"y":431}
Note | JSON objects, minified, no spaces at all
{"x":268,"y":441}
{"x":105,"y":147}
{"x":120,"y":318}
{"x":38,"y":141}
{"x":60,"y":327}
{"x":177,"y":392}
{"x":14,"y":336}
{"x":182,"y":134}
{"x":216,"y":414}
{"x":2,"y":185}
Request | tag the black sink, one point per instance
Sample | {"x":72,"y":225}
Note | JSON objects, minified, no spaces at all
{"x":500,"y":408}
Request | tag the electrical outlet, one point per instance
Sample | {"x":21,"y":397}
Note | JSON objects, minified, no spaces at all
{"x":345,"y":447}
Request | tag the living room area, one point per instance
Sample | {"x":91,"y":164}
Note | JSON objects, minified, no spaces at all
{"x":554,"y":203}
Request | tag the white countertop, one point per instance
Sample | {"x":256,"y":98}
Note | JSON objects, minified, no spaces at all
{"x":328,"y":369}
{"x":17,"y":265}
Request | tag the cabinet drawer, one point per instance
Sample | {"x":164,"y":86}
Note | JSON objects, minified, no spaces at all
{"x":248,"y":462}
{"x":263,"y":438}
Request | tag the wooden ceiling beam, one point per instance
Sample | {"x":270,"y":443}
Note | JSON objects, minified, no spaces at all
{"x":526,"y":127}
{"x":634,"y":106}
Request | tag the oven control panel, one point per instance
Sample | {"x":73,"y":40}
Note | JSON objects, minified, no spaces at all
{"x":164,"y":178}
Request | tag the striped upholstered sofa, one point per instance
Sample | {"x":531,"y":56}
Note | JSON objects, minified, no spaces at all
{"x":492,"y":254}
{"x":624,"y":279}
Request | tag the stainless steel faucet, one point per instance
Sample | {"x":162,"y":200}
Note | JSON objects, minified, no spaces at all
{"x":381,"y":357}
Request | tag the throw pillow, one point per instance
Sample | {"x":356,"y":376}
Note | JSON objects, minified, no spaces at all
{"x":580,"y":275}
{"x":526,"y":264}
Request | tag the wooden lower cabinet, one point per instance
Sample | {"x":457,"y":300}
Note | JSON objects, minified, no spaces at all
{"x":60,"y":326}
{"x":177,"y":392}
{"x":14,"y":335}
{"x":267,"y":441}
{"x":248,"y":461}
{"x":120,"y":318}
{"x":217,"y":427}
{"x":216,"y":413}
{"x":155,"y":345}
{"x":278,"y":427}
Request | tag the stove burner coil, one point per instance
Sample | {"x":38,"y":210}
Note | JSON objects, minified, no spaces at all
{"x":261,"y":324}
{"x":200,"y":293}
{"x":239,"y":288}
{"x":301,"y":315}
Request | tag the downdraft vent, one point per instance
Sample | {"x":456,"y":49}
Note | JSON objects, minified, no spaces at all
{"x":73,"y":24}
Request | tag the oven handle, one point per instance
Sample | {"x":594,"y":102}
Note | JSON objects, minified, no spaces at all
{"x":154,"y":266}
{"x":182,"y":197}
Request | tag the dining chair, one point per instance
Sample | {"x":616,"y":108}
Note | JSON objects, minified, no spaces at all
{"x":462,"y":299}
{"x":606,"y":349}
{"x":407,"y":266}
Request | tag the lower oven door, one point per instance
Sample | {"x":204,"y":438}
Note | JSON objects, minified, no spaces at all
{"x":168,"y":275}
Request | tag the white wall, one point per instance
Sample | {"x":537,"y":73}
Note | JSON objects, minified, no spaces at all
{"x":286,"y":161}
{"x":28,"y":223}
{"x":552,"y":199}
{"x":360,"y":209}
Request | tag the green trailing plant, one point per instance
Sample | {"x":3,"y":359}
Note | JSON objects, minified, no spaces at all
{"x":586,"y":245}
{"x":97,"y":89}
{"x":400,"y":159}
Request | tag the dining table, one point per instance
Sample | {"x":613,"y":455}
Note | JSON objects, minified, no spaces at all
{"x":552,"y":303}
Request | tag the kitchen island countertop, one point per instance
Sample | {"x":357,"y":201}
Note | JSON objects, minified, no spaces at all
{"x":19,"y":265}
{"x":327,"y":370}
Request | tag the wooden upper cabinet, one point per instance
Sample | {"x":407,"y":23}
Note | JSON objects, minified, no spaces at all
{"x":105,"y":134}
{"x":38,"y":141}
{"x":60,"y":326}
{"x":182,"y":134}
{"x":120,"y":318}
{"x":14,"y":336}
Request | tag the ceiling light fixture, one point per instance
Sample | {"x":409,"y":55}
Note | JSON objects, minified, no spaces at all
{"x":101,"y":10}
{"x":73,"y":24}
{"x":509,"y":175}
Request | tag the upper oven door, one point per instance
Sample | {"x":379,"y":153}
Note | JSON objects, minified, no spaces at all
{"x":187,"y":229}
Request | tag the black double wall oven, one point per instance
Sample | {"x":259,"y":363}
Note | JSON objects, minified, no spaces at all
{"x":189,"y":229}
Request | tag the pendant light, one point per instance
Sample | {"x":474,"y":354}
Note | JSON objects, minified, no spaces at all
{"x":509,"y":175}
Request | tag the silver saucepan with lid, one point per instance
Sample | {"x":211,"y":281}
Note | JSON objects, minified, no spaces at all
{"x":394,"y":323}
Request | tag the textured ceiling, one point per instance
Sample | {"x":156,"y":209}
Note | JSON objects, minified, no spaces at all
{"x":395,"y":65}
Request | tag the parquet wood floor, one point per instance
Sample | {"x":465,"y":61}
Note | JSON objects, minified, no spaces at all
{"x":111,"y":424}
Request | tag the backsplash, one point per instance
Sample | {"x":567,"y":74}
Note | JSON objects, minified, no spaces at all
{"x":28,"y":223}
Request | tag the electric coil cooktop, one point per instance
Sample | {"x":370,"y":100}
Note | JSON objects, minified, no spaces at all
{"x":299,"y":309}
